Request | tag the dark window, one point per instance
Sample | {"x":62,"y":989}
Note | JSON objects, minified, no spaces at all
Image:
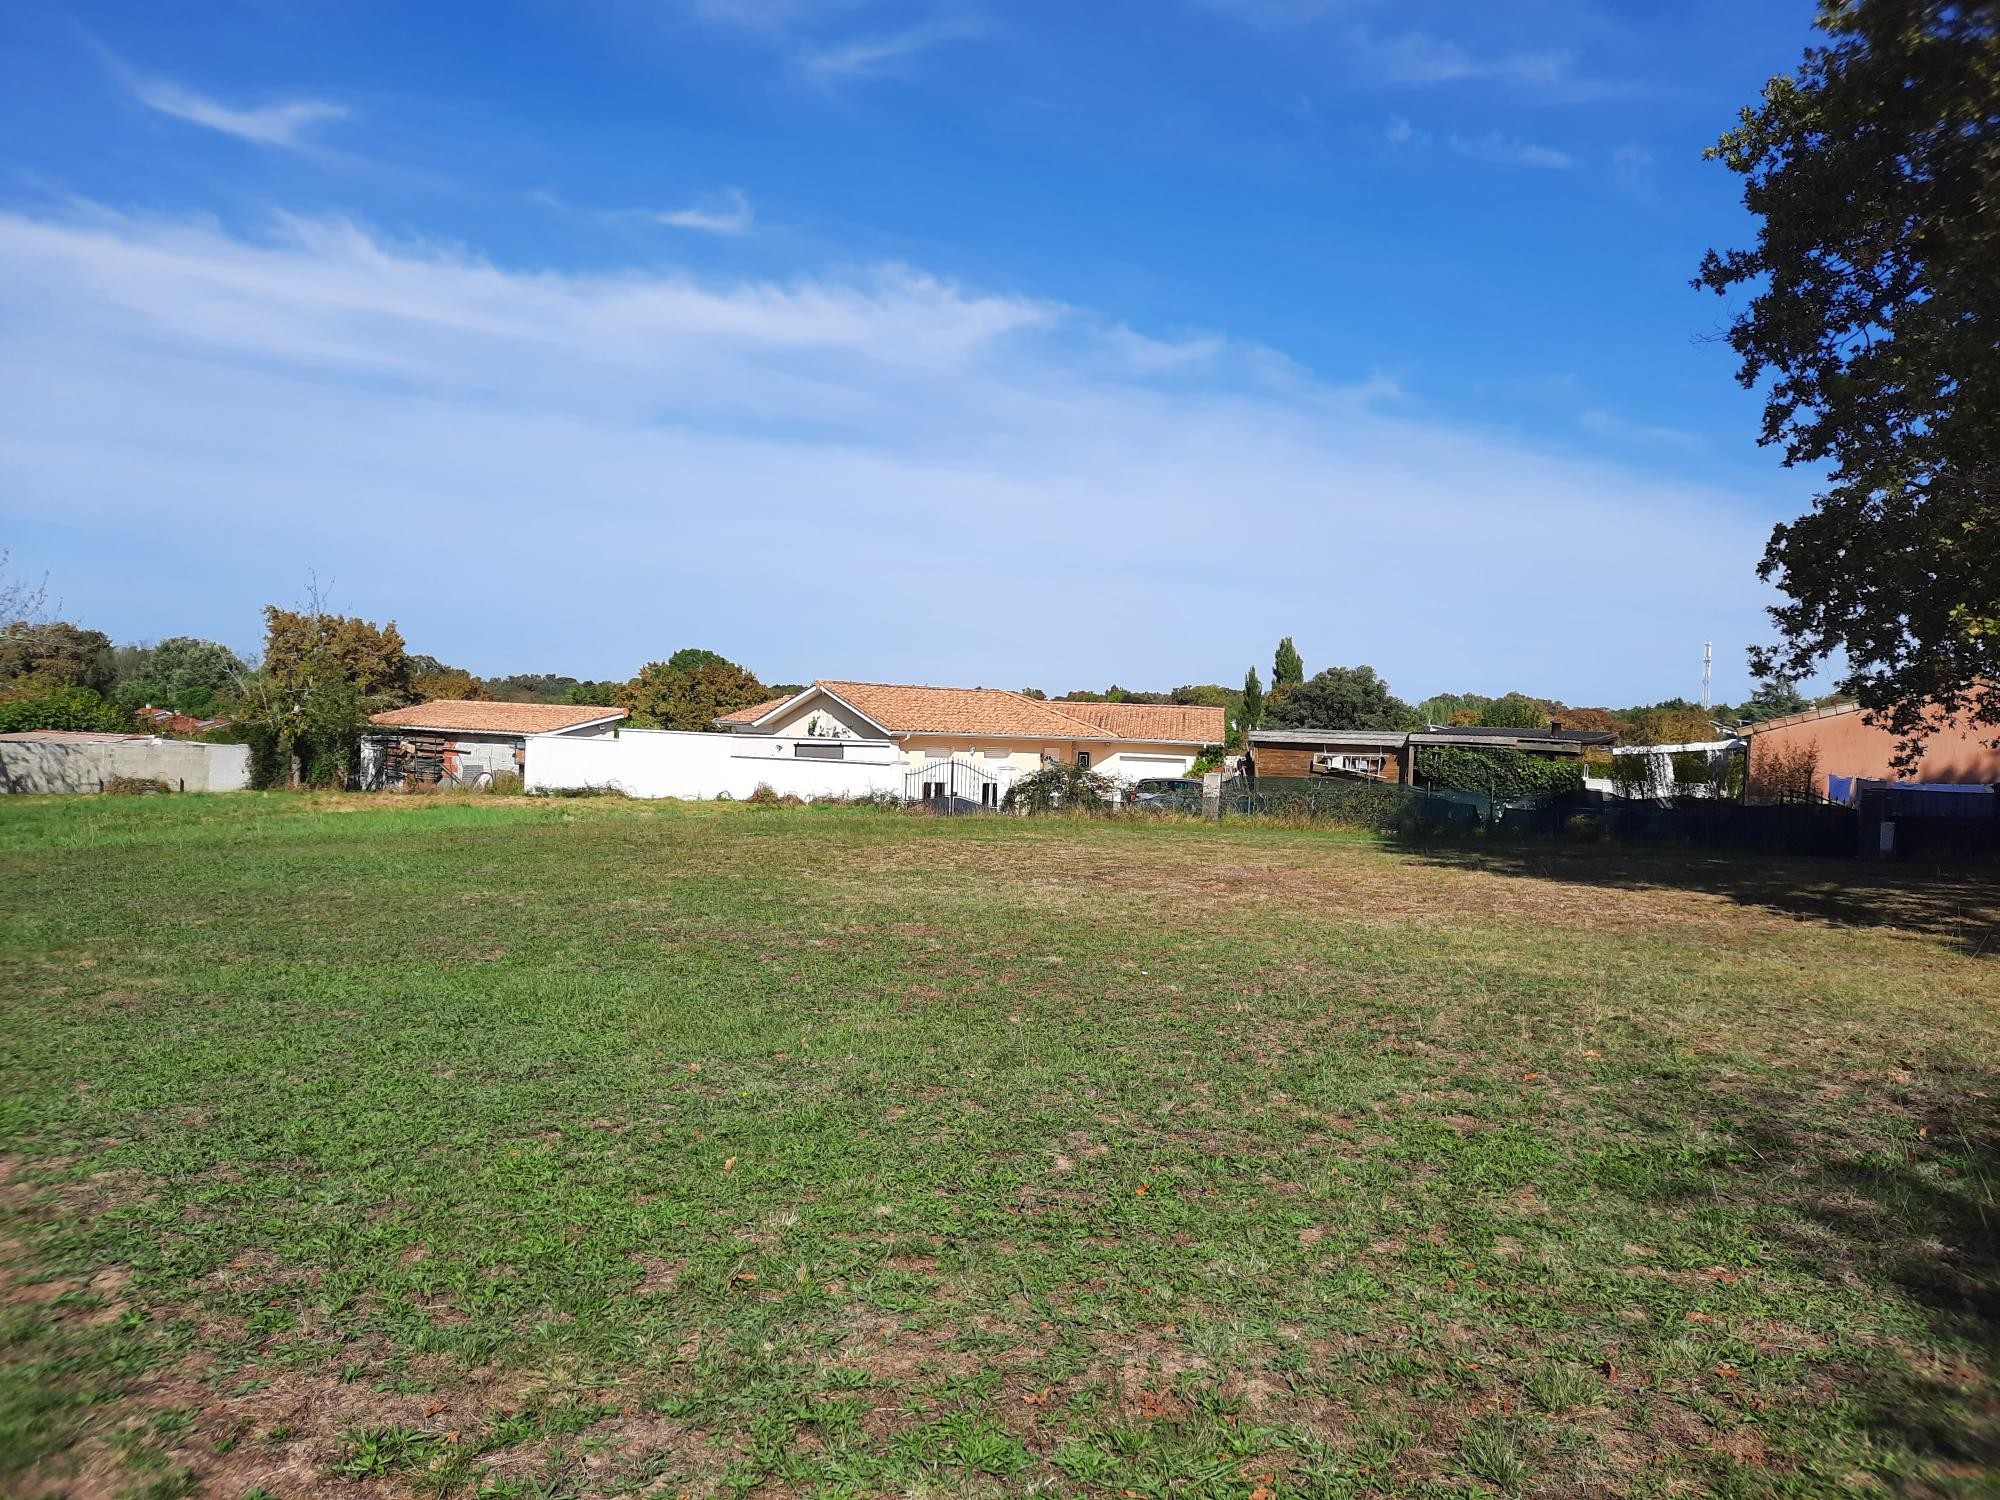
{"x":1083,"y":759}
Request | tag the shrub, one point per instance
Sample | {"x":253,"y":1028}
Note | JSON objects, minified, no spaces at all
{"x":1063,"y":788}
{"x":1782,"y":774}
{"x":77,"y":708}
{"x":312,"y":724}
{"x":504,"y":784}
{"x":135,"y":786}
{"x":1500,"y":771}
{"x":880,"y":800}
{"x":609,"y":789}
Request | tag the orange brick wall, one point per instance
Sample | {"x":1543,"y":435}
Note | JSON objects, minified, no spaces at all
{"x":1850,"y":746}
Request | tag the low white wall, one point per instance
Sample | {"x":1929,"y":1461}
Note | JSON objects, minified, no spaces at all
{"x":695,"y":766}
{"x":85,"y":766}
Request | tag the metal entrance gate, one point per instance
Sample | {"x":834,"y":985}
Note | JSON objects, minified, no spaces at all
{"x":949,"y":785}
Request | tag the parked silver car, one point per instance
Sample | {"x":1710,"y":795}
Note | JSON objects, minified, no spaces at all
{"x":1166,"y":793}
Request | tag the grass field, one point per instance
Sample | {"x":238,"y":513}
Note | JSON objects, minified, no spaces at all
{"x":371,"y":1147}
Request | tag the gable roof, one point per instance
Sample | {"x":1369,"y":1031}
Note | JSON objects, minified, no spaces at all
{"x":450,"y":714}
{"x":756,"y":711}
{"x":907,"y":709}
{"x":1807,"y":716}
{"x":1188,"y":723}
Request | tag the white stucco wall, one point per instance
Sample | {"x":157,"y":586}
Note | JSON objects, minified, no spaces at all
{"x":1130,"y":763}
{"x":670,"y":763}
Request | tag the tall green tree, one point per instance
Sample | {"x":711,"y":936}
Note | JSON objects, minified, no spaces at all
{"x":1342,"y":698}
{"x":183,"y":672}
{"x":1773,"y":700}
{"x":1874,"y":330}
{"x":1252,"y":712}
{"x":665,"y":696}
{"x":323,"y":674}
{"x":1514,"y":711}
{"x":1288,"y":668}
{"x":370,"y":658}
{"x":47,"y":655}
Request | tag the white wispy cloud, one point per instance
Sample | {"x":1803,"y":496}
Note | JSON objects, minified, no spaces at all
{"x":1610,"y":424}
{"x":1418,"y":57}
{"x":765,"y":15}
{"x":1400,"y":132}
{"x":1632,"y":172}
{"x":802,"y":469}
{"x":727,"y":212}
{"x":871,"y":56}
{"x":1272,"y":12}
{"x":1505,"y":151}
{"x":285,"y":124}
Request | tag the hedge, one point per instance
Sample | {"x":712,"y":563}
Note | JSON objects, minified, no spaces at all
{"x":1499,"y":771}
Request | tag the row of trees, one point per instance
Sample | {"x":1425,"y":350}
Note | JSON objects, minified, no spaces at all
{"x":304,"y":703}
{"x":1359,"y":698}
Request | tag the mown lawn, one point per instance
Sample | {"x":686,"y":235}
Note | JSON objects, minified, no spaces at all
{"x":371,"y":1147}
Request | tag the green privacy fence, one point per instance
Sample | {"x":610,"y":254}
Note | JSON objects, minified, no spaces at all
{"x":1389,"y":807}
{"x":1386,"y":806}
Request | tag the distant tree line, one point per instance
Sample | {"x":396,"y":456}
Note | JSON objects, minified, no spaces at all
{"x":304,"y":701}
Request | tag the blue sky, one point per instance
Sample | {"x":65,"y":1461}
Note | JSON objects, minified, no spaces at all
{"x":1013,"y":344}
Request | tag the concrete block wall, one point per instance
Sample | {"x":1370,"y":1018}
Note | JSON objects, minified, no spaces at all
{"x":87,"y":766}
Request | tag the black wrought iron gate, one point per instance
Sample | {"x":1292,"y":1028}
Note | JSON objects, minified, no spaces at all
{"x":950,"y":785}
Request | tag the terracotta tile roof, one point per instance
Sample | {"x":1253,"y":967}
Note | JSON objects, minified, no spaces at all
{"x":1810,"y":715}
{"x":1185,"y":723}
{"x":755,"y":711}
{"x":906,"y":709}
{"x":493,"y":718}
{"x":69,"y":737}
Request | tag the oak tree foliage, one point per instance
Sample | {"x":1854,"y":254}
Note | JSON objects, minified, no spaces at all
{"x":1873,"y":330}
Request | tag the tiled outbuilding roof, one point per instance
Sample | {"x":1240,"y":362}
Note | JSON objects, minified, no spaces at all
{"x":907,"y":709}
{"x":1184,"y":723}
{"x":1809,"y":716}
{"x":475,"y":717}
{"x":755,"y":711}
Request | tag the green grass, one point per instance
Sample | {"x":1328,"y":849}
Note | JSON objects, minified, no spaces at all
{"x":487,"y":1147}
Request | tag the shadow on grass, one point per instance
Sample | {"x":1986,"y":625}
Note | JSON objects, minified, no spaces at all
{"x":1959,"y":904}
{"x":1891,"y":1188}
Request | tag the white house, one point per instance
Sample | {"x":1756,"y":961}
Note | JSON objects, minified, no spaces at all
{"x":1002,"y":733}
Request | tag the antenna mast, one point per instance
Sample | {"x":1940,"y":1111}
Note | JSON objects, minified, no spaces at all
{"x":1707,"y":666}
